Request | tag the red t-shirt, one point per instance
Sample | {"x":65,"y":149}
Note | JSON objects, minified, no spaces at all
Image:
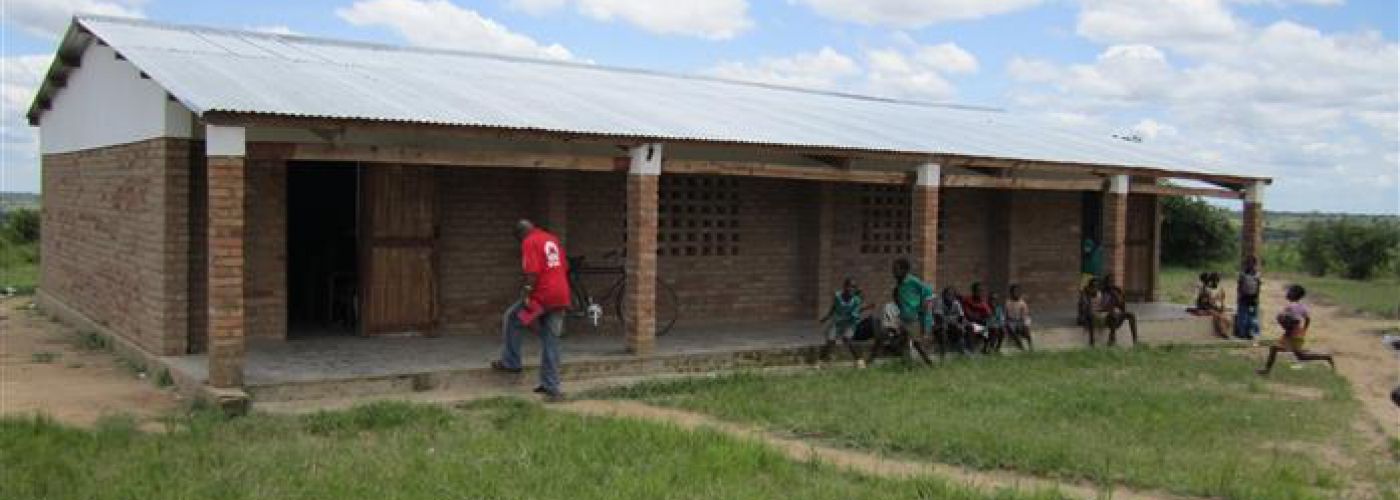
{"x":543,"y":256}
{"x":978,"y":310}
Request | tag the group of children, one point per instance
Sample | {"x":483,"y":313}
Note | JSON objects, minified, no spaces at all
{"x":977,"y":322}
{"x":951,"y":321}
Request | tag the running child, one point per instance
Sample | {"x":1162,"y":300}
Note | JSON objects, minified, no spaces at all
{"x":1295,"y":322}
{"x":912,"y":299}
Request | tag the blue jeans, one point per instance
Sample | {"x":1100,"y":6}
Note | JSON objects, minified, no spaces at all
{"x":549,"y":325}
{"x":1246,"y":319}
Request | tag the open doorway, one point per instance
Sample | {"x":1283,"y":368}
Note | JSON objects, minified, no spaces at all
{"x":322,"y":249}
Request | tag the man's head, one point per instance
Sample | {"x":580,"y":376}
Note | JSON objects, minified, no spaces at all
{"x":522,"y":228}
{"x":1250,"y":263}
{"x":900,"y":267}
{"x":1015,"y":292}
{"x":1092,"y":285}
{"x":1108,"y":281}
{"x":977,"y":290}
{"x":1213,"y":279}
{"x":848,"y":286}
{"x":1296,"y":293}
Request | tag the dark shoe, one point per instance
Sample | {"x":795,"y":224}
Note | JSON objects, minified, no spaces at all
{"x":501,"y":367}
{"x":555,"y":397}
{"x":1262,"y":372}
{"x":539,"y":389}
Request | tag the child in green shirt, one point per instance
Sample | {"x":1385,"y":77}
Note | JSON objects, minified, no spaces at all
{"x":843,"y":315}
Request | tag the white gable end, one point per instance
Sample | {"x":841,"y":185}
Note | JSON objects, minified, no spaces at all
{"x":105,"y":103}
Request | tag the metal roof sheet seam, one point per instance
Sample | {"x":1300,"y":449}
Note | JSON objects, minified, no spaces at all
{"x":213,"y":69}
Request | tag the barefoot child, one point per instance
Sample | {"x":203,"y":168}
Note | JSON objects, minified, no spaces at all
{"x":844,"y":315}
{"x":1018,"y":319}
{"x":996,"y":324}
{"x":1295,"y":322}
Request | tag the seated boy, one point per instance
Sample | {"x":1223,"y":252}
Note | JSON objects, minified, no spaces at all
{"x":952,"y":325}
{"x":978,"y":312}
{"x":1295,"y":322}
{"x":1114,"y":306}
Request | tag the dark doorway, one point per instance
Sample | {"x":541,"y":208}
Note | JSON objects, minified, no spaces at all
{"x":322,"y":249}
{"x":1091,"y":237}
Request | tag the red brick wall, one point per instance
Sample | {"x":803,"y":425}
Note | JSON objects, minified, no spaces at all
{"x":774,"y":273}
{"x":966,"y":246}
{"x":1045,"y":235}
{"x":266,"y":249}
{"x":115,"y":243}
{"x":478,"y":258}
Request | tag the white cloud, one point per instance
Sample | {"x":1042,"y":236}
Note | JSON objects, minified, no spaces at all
{"x":1156,"y":21}
{"x":536,"y":7}
{"x":913,"y":13}
{"x":1282,"y":99}
{"x":19,"y":145}
{"x":48,"y":18}
{"x":822,"y":69}
{"x":440,"y":23}
{"x":915,"y":71}
{"x":1150,"y":129}
{"x":712,"y":19}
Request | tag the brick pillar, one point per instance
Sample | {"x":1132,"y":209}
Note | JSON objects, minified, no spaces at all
{"x":639,"y":301}
{"x":1252,"y":230}
{"x":553,"y":188}
{"x":226,"y":238}
{"x":924,"y":219}
{"x":826,"y":231}
{"x":1115,"y":228}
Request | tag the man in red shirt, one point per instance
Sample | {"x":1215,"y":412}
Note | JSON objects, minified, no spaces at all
{"x":543,"y":300}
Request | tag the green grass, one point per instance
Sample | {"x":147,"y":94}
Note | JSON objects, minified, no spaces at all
{"x":492,"y":449}
{"x":19,"y":266}
{"x":1190,"y":421}
{"x":1379,"y":296}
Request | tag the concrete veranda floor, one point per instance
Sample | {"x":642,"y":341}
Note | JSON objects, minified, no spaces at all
{"x":347,"y":357}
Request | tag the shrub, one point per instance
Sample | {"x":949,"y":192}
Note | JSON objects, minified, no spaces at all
{"x":1354,"y":249}
{"x":1196,"y":234}
{"x":21,"y":226}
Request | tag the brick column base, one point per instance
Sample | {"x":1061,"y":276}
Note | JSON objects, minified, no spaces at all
{"x":226,"y":236}
{"x":1115,"y":235}
{"x":924,"y":220}
{"x":639,"y":301}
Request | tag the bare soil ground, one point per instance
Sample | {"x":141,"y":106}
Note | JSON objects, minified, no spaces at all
{"x":1372,"y":369}
{"x":44,"y":369}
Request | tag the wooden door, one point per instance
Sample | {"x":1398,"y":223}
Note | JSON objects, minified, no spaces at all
{"x":1141,"y":242}
{"x":399,"y":249}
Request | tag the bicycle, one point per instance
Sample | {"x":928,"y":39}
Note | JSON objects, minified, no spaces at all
{"x":595,"y":309}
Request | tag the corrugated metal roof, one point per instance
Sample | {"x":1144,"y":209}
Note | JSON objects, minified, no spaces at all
{"x":218,"y":70}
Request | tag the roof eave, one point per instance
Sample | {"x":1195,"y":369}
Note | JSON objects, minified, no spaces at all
{"x":67,"y":56}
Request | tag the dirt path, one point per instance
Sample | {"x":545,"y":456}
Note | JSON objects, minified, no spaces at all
{"x":43,"y":370}
{"x":865,"y":463}
{"x":1372,"y":369}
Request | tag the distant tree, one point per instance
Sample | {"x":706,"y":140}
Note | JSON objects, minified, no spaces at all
{"x":21,"y":226}
{"x":1196,"y":234}
{"x":1353,"y":248}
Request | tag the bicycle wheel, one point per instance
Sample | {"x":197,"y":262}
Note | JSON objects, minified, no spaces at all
{"x":667,"y":307}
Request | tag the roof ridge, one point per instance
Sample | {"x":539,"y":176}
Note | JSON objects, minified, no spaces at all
{"x":529,"y":60}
